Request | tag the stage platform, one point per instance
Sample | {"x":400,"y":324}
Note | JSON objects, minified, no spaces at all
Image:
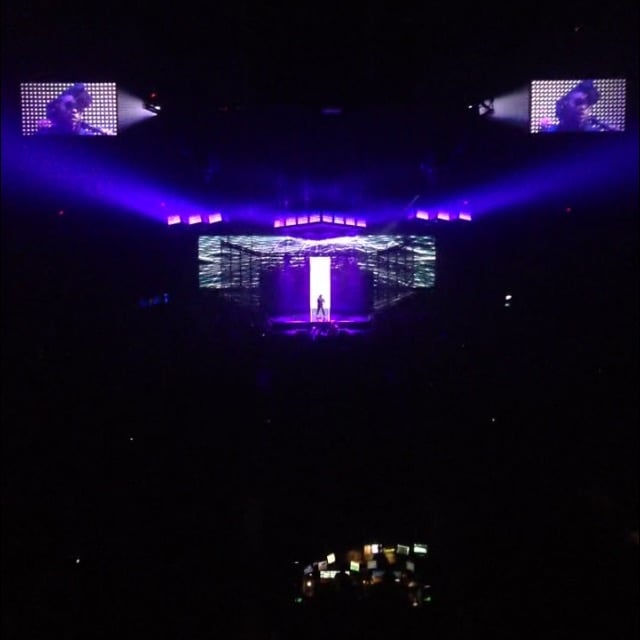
{"x":336,"y":324}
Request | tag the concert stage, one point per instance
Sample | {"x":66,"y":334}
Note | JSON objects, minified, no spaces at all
{"x":336,"y":324}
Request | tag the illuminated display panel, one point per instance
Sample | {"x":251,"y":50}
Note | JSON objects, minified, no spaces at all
{"x":234,"y":262}
{"x":69,"y":109}
{"x":578,"y":105}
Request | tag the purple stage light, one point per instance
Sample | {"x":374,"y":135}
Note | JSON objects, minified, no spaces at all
{"x":444,"y":215}
{"x":194,"y":219}
{"x":422,"y":215}
{"x":316,"y":218}
{"x":173,"y":220}
{"x":214,"y":217}
{"x":464,"y":215}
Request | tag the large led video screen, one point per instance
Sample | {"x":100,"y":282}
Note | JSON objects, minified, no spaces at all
{"x":228,"y":262}
{"x":365,"y":273}
{"x":578,"y":105}
{"x":69,"y":109}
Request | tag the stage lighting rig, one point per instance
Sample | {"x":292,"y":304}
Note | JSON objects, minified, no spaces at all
{"x":486,"y":108}
{"x":152,"y":103}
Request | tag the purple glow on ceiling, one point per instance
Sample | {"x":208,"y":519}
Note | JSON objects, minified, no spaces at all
{"x":75,"y":170}
{"x":602,"y":169}
{"x":95,"y":173}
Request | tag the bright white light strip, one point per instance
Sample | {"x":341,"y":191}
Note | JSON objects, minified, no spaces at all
{"x":319,"y":283}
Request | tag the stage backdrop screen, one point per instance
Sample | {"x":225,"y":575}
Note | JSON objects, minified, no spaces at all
{"x":69,"y":109}
{"x":591,"y":105}
{"x":235,"y":262}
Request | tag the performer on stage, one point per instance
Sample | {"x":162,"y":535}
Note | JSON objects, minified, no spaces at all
{"x":320,"y":310}
{"x":65,"y":115}
{"x":573,"y":111}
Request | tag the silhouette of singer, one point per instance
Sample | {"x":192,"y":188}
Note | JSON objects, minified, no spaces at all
{"x":320,"y":310}
{"x":66,"y":112}
{"x":573,"y":111}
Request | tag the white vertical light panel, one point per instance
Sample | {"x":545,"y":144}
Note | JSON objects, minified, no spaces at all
{"x":319,"y":283}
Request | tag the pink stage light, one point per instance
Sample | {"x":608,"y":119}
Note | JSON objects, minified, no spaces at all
{"x":215,"y":217}
{"x":194,"y":219}
{"x":173,"y":220}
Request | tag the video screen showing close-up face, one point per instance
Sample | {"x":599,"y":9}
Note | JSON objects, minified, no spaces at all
{"x":69,"y":109}
{"x":578,"y":106}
